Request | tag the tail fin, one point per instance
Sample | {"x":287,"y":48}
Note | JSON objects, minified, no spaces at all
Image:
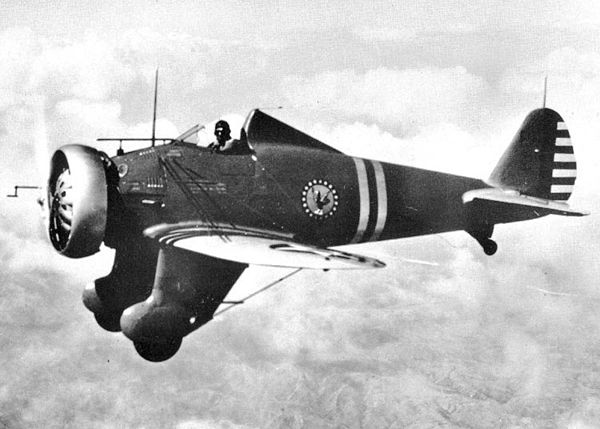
{"x":540,"y":161}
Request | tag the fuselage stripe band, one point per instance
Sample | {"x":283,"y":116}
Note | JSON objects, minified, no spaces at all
{"x":381,"y":200}
{"x":363,"y":193}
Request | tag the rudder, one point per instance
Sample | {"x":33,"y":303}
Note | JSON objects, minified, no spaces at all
{"x":540,"y":161}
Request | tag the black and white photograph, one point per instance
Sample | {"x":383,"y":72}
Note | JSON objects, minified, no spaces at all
{"x":283,"y":214}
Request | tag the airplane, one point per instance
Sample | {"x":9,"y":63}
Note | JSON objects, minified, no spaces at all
{"x":187,"y":220}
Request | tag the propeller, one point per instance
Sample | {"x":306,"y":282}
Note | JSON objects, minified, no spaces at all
{"x":42,"y":151}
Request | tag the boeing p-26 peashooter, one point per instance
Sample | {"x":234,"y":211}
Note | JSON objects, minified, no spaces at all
{"x":187,"y":220}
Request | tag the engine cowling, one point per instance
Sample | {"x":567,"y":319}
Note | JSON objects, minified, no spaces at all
{"x":77,"y":200}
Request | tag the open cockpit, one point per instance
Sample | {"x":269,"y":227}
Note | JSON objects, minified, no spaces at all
{"x":225,"y":136}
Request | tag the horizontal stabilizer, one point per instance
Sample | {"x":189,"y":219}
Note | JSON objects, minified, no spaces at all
{"x":255,"y":247}
{"x":514,"y":198}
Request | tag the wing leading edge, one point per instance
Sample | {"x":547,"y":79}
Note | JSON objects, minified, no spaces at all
{"x":255,"y":247}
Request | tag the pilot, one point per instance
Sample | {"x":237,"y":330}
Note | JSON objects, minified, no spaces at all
{"x":224,"y":143}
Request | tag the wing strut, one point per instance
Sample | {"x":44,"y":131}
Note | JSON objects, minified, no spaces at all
{"x":269,"y":286}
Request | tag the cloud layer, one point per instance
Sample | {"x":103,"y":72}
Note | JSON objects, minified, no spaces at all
{"x":508,"y":341}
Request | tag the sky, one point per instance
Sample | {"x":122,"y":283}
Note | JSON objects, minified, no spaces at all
{"x":505,"y":341}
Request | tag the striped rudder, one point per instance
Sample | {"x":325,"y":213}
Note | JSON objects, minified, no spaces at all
{"x":564,"y":167}
{"x":540,"y":161}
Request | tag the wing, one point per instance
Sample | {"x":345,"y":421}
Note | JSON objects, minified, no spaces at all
{"x":501,"y":198}
{"x":255,"y":247}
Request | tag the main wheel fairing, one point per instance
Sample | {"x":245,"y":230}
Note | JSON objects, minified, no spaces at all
{"x":157,"y":352}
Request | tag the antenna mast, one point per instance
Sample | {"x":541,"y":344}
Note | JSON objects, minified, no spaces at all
{"x":154,"y":117}
{"x":545,"y":87}
{"x":144,"y":139}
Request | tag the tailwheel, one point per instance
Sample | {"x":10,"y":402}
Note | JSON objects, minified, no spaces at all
{"x":483,"y":234}
{"x":158,"y":352}
{"x":489,"y":246}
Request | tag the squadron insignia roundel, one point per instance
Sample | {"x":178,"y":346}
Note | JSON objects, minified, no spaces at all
{"x":319,"y":199}
{"x":122,"y":169}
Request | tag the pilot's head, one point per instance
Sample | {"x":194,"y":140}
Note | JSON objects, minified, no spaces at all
{"x":222,"y":131}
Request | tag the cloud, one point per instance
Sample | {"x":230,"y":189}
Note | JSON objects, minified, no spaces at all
{"x":572,"y":78}
{"x":16,"y":46}
{"x":87,"y":69}
{"x":210,"y":424}
{"x":386,"y":34}
{"x":408,"y":99}
{"x":573,"y":90}
{"x":88,"y":117}
{"x":59,"y":91}
{"x":438,"y":146}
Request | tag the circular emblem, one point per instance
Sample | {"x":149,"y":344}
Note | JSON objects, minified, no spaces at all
{"x":122,"y":169}
{"x":319,"y":199}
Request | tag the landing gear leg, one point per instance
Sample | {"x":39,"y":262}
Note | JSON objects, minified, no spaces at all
{"x":483,"y":236}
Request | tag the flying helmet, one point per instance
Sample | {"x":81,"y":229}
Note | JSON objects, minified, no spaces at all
{"x":222,"y":125}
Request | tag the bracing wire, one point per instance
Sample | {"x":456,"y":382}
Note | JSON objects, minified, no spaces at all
{"x":239,"y":201}
{"x":261,"y":290}
{"x":189,"y":173}
{"x":193,"y":199}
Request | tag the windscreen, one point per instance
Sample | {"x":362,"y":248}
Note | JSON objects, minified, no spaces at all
{"x":204,"y":135}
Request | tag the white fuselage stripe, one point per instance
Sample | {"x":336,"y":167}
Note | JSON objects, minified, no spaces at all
{"x":363,"y":193}
{"x":381,"y":200}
